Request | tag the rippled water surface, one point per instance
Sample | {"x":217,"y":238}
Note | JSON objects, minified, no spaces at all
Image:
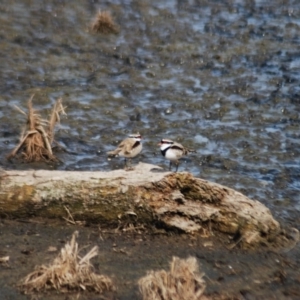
{"x":221,"y":77}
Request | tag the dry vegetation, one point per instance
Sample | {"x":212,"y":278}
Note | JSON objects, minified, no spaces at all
{"x":67,"y":272}
{"x":104,"y":23}
{"x":4,"y":259}
{"x":70,"y":272}
{"x":182,"y":282}
{"x":38,"y":135}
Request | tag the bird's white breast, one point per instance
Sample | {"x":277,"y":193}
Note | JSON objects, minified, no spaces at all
{"x":172,"y":154}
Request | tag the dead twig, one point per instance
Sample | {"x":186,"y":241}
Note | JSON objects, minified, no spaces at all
{"x":55,"y":118}
{"x":17,"y":148}
{"x":70,"y":219}
{"x":4,"y":259}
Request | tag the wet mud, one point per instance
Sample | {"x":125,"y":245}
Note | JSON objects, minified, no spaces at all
{"x":126,"y":256}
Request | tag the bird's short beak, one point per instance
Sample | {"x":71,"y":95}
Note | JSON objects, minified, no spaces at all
{"x":159,"y":144}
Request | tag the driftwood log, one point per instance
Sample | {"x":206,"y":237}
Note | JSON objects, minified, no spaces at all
{"x":144,"y":195}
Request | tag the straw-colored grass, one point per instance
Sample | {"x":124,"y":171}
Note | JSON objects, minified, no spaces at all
{"x":38,"y":135}
{"x":68,"y":272}
{"x":104,"y":23}
{"x":182,"y":282}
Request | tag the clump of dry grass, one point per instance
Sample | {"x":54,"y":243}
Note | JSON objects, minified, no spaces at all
{"x":67,"y":272}
{"x":38,"y":135}
{"x":104,"y":23}
{"x":182,"y":282}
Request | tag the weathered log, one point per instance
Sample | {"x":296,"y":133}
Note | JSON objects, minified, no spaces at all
{"x":176,"y":200}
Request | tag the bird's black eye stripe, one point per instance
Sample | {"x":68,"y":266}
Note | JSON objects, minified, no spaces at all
{"x":166,"y":142}
{"x":135,"y":136}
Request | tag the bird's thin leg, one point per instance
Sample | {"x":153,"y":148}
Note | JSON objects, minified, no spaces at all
{"x":170,"y":165}
{"x":128,"y":165}
{"x":125,"y":163}
{"x":177,"y":164}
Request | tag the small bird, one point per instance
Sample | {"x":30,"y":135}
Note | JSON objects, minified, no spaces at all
{"x":128,"y":148}
{"x":173,"y":151}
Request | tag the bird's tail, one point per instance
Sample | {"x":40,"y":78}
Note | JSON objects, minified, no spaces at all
{"x":190,"y":150}
{"x":112,"y":153}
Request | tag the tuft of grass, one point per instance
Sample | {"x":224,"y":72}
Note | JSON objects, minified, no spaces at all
{"x":182,"y":282}
{"x":38,"y":135}
{"x":68,"y":272}
{"x":104,"y":23}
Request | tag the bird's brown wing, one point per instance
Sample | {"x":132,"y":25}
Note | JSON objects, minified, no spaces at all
{"x":120,"y":147}
{"x":127,"y":145}
{"x":184,"y":150}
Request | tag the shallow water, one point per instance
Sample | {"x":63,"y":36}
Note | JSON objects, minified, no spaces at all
{"x":218,"y":76}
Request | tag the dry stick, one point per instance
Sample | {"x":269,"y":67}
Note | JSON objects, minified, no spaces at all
{"x":236,"y":243}
{"x":14,"y":152}
{"x":61,"y":147}
{"x":4,"y":259}
{"x":54,"y":118}
{"x":72,"y":221}
{"x":133,"y":228}
{"x":20,"y":110}
{"x":45,"y":138}
{"x":89,"y":255}
{"x":31,"y":97}
{"x":32,"y":115}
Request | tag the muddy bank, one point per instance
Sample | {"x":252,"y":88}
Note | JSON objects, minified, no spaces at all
{"x":219,"y":76}
{"x":120,"y":225}
{"x":125,"y":256}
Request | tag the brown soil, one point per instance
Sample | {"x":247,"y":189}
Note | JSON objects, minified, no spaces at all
{"x":126,"y":256}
